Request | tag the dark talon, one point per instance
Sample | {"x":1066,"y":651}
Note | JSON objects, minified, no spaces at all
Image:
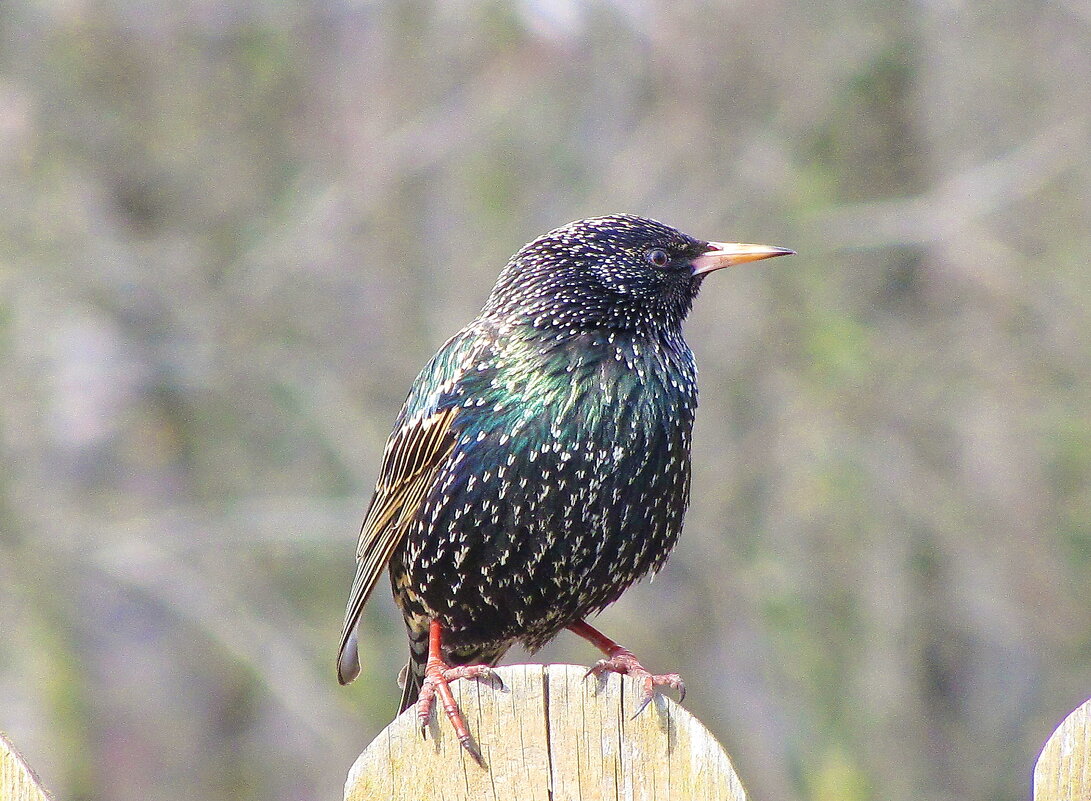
{"x":468,"y":744}
{"x":643,"y":704}
{"x":621,"y":660}
{"x":438,"y":676}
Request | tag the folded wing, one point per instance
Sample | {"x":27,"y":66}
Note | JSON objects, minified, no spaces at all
{"x":413,"y":456}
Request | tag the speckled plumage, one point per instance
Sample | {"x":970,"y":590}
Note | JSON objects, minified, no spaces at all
{"x":540,"y":464}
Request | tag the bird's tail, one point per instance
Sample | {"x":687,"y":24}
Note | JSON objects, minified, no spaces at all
{"x":412,"y":675}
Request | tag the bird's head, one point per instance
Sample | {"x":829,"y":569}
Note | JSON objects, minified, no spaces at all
{"x":619,"y":272}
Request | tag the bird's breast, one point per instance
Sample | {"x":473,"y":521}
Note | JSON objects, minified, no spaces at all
{"x":568,"y":482}
{"x":589,"y":443}
{"x":597,"y":389}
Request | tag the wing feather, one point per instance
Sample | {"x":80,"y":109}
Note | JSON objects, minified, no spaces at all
{"x":412,"y":457}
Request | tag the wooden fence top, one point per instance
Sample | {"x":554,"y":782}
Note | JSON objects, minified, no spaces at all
{"x":1063,"y":770}
{"x":554,"y":735}
{"x":551,"y":735}
{"x":17,"y":781}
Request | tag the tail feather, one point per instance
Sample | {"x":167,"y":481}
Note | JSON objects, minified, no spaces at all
{"x":412,"y":678}
{"x":348,"y":660}
{"x":411,"y":684}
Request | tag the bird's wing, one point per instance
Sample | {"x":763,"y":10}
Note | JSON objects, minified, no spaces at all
{"x":412,"y":457}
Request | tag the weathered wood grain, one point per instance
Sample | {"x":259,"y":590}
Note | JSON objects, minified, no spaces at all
{"x":1063,"y":770}
{"x":552,"y":735}
{"x":17,"y":781}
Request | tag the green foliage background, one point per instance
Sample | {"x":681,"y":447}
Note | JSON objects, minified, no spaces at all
{"x":232,"y":233}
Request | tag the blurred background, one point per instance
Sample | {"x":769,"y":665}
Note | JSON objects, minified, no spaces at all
{"x":232,"y":233}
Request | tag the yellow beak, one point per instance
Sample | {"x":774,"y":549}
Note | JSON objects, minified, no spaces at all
{"x":728,"y":254}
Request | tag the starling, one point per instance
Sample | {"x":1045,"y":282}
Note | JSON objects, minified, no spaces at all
{"x":540,"y":464}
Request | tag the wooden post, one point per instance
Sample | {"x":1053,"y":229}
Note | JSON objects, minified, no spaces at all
{"x":551,"y":735}
{"x":17,"y":780}
{"x":1063,"y":770}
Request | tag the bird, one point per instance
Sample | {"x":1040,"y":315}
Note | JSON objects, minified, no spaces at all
{"x":540,"y":464}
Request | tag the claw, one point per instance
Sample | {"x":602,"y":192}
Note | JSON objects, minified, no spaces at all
{"x":621,"y":660}
{"x":438,"y":676}
{"x":647,"y":700}
{"x":468,"y":744}
{"x":625,"y":663}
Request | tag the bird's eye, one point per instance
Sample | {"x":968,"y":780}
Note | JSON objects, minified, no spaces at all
{"x":657,"y":257}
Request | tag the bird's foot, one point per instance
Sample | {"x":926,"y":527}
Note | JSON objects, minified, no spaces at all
{"x":437,"y":682}
{"x":623,"y":661}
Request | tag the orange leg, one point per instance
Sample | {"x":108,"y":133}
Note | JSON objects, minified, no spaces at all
{"x":622,"y":660}
{"x":437,"y":678}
